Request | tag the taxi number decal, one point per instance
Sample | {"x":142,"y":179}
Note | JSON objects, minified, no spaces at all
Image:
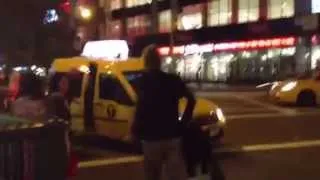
{"x":111,"y":111}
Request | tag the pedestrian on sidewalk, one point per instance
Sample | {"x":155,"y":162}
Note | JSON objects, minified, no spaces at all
{"x":59,"y":101}
{"x":156,"y":121}
{"x":60,"y":98}
{"x":30,"y":104}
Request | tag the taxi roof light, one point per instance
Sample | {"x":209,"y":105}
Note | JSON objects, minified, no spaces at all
{"x":111,"y":50}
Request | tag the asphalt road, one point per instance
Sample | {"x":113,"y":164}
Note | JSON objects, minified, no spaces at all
{"x":262,"y":141}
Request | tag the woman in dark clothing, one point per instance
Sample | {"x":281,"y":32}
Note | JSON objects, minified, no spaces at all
{"x":198,"y":153}
{"x":59,"y":100}
{"x":59,"y":107}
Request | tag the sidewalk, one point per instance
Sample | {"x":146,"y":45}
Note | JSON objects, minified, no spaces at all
{"x":220,"y":87}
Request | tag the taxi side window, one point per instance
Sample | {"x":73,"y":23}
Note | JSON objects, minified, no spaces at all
{"x":112,"y":89}
{"x":75,"y":84}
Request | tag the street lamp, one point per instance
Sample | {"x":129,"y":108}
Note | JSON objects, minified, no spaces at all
{"x":85,"y":12}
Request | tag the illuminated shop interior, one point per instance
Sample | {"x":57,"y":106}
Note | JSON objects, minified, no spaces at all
{"x":254,"y":60}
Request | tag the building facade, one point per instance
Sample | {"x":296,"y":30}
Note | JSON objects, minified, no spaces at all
{"x":221,"y":40}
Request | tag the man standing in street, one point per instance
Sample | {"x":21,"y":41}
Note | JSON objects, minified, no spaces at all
{"x":157,"y":121}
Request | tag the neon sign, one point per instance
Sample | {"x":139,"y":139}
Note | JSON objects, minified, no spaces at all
{"x":256,"y":44}
{"x":241,"y":45}
{"x":187,"y":49}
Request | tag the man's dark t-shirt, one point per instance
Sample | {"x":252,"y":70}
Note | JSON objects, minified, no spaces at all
{"x":157,"y":114}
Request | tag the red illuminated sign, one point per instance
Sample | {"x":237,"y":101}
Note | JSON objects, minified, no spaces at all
{"x":230,"y":46}
{"x":66,"y":7}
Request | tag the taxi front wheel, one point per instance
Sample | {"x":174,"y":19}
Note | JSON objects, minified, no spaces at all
{"x":306,"y":98}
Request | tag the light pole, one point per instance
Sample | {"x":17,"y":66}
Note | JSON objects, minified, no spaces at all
{"x":174,"y":18}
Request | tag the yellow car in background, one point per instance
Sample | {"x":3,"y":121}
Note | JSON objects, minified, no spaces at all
{"x":115,"y":97}
{"x":304,"y":91}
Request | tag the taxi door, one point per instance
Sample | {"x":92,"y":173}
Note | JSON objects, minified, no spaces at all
{"x":317,"y":86}
{"x":113,"y":107}
{"x":76,"y":105}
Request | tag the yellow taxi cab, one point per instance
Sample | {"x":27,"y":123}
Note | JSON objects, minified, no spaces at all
{"x":304,"y":91}
{"x":115,"y":96}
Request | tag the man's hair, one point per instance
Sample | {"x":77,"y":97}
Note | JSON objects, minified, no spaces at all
{"x":151,"y":58}
{"x":31,"y":85}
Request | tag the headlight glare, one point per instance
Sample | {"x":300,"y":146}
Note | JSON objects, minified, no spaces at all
{"x":220,"y":115}
{"x":275,"y":84}
{"x":289,"y":86}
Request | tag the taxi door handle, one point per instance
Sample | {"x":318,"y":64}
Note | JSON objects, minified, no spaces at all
{"x":76,"y":101}
{"x":98,"y":104}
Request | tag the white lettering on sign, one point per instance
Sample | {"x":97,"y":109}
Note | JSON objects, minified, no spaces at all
{"x":187,"y":49}
{"x":191,"y":49}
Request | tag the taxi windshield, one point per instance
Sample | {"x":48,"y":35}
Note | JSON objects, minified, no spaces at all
{"x":133,"y":77}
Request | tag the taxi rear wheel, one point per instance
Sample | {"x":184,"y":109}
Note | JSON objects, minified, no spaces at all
{"x":306,"y":98}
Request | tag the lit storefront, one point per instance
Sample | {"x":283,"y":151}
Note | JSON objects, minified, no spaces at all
{"x":255,"y":60}
{"x":239,"y":48}
{"x":315,"y":54}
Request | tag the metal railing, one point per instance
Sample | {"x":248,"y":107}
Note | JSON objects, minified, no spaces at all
{"x":33,"y":151}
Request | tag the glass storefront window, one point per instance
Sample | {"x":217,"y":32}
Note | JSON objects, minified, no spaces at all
{"x":218,"y":67}
{"x":280,"y":8}
{"x":132,"y":3}
{"x":315,"y":58}
{"x":165,"y":21}
{"x":248,"y":11}
{"x":220,"y":12}
{"x":191,"y":17}
{"x":115,"y":4}
{"x":249,"y":66}
{"x":138,"y":25}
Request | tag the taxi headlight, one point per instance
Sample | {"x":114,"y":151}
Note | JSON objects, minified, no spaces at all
{"x":220,"y":116}
{"x":275,"y":84}
{"x":289,"y":86}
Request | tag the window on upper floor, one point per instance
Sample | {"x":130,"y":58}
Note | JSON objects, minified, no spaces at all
{"x":133,"y":3}
{"x":219,"y":12}
{"x":248,"y":11}
{"x":165,"y":21}
{"x":191,"y":17}
{"x":115,"y":4}
{"x":114,"y":29}
{"x":280,"y":8}
{"x":138,"y":25}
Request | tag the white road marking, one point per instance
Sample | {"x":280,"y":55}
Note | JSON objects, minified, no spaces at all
{"x":244,"y":109}
{"x":245,"y":148}
{"x":271,"y":147}
{"x":108,"y":162}
{"x":227,"y":94}
{"x":279,"y":109}
{"x":268,"y":115}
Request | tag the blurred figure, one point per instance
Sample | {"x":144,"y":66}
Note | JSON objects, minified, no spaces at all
{"x":156,"y":121}
{"x":31,"y":103}
{"x":198,"y":148}
{"x":59,"y":100}
{"x":13,"y":90}
{"x":59,"y":107}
